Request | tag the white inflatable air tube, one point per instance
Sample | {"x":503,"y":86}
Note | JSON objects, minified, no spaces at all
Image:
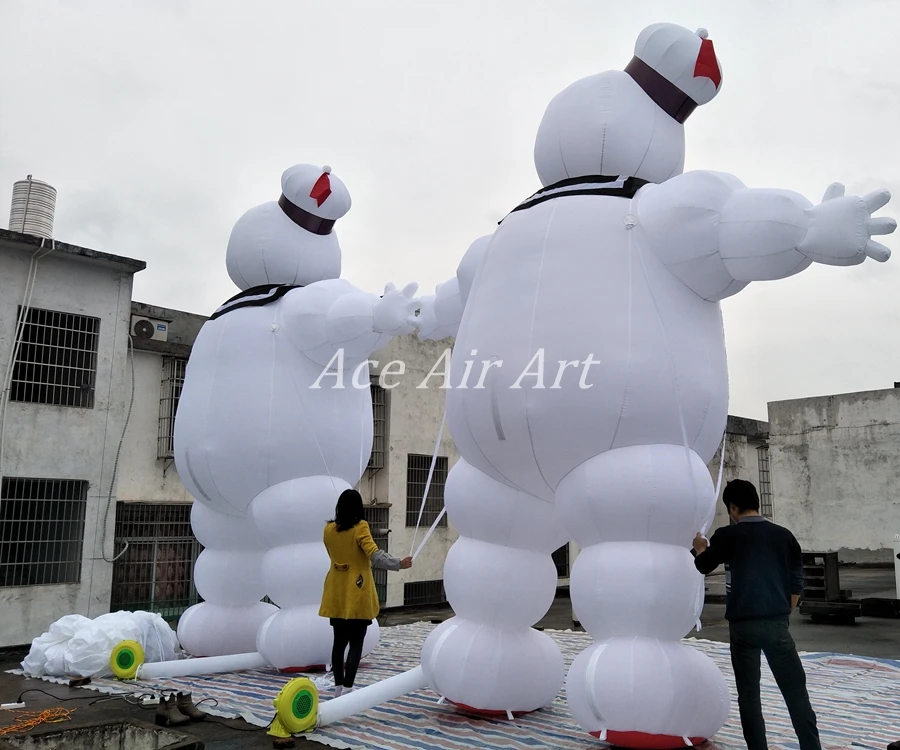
{"x":373,"y":695}
{"x":204,"y":665}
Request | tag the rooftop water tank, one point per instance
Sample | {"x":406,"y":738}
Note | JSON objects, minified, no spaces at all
{"x":33,"y":208}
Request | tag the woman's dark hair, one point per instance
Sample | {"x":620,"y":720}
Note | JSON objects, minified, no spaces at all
{"x":349,"y":510}
{"x":741,"y":494}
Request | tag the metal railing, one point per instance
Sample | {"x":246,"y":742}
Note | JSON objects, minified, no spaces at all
{"x":417,"y":467}
{"x":419,"y":593}
{"x":379,"y":432}
{"x":57,"y":359}
{"x":173,"y":369}
{"x":379,"y":520}
{"x":156,"y":573}
{"x":41,"y":531}
{"x":766,"y":504}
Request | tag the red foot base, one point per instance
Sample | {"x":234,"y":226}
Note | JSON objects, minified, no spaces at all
{"x":300,"y":670}
{"x":491,"y":714}
{"x":644,"y":741}
{"x":314,"y":668}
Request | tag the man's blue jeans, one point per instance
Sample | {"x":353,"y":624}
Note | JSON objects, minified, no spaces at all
{"x":771,"y":637}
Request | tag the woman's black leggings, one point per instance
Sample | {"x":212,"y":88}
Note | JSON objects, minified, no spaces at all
{"x":352,"y":633}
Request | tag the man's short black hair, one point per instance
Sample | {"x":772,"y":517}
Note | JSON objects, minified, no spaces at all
{"x":741,"y":494}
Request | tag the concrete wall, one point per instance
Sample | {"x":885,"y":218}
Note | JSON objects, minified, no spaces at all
{"x":142,"y":476}
{"x":836,"y":472}
{"x":55,"y":442}
{"x":743,"y":439}
{"x":413,"y":422}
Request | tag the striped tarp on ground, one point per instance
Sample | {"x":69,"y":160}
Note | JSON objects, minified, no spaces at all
{"x":857,"y":701}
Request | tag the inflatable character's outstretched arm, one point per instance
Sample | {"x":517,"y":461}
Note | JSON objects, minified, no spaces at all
{"x":334,"y":318}
{"x":717,"y":235}
{"x":440,"y":313}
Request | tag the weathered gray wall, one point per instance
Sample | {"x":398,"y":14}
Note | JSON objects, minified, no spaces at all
{"x":836,"y":473}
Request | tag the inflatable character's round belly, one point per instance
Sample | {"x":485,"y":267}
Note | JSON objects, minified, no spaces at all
{"x":625,"y":351}
{"x":248,"y":418}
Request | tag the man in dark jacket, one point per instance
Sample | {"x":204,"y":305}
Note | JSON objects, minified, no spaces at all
{"x":763,"y":583}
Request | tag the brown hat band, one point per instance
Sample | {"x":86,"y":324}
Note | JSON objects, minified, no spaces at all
{"x":304,"y":219}
{"x":670,"y":99}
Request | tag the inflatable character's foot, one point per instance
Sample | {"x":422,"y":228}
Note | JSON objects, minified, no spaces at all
{"x":644,"y":693}
{"x":208,"y":629}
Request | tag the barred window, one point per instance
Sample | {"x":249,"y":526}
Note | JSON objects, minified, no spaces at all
{"x":41,"y":530}
{"x":376,"y":460}
{"x":57,"y":359}
{"x":172,"y":382}
{"x":378,"y":520}
{"x":765,"y":483}
{"x":156,"y":573}
{"x":419,"y":593}
{"x":417,"y":467}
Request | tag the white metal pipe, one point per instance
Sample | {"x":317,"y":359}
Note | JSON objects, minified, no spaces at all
{"x":373,"y":695}
{"x":204,"y":665}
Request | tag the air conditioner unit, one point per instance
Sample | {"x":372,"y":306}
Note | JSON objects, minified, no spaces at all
{"x":149,"y":328}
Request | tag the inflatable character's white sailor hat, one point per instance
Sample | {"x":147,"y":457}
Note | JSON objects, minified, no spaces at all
{"x":313,"y":198}
{"x":677,"y":68}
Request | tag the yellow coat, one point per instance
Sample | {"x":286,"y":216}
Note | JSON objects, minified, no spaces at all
{"x":349,"y":592}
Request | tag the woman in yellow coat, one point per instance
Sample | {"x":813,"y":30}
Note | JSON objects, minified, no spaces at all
{"x":349,"y":599}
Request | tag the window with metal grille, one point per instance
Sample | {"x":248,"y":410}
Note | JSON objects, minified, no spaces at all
{"x":41,"y":530}
{"x":423,"y":592}
{"x":765,"y":483}
{"x":376,"y":460}
{"x":170,"y":392}
{"x":561,"y":560}
{"x":156,"y":573}
{"x":417,"y":467}
{"x":378,"y":520}
{"x":57,"y":359}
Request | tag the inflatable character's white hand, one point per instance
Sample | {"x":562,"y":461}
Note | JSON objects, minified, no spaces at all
{"x":841,"y":228}
{"x":427,"y":321}
{"x":395,"y":312}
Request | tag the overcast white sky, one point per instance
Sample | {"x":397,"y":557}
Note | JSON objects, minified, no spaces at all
{"x":160,"y":122}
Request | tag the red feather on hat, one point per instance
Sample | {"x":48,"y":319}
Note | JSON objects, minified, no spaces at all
{"x":707,"y":65}
{"x":321,"y":190}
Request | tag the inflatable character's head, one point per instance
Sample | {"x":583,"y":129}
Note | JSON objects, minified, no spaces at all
{"x":291,"y":240}
{"x":629,"y":123}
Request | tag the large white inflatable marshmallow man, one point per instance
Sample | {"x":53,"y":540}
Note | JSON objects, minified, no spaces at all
{"x":271,"y":426}
{"x":608,"y":282}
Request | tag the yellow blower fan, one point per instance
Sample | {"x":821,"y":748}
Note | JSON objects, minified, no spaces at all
{"x":296,"y":711}
{"x":125,"y":659}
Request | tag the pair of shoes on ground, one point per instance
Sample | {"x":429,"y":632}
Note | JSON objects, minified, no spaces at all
{"x":177,"y":710}
{"x":341,"y":690}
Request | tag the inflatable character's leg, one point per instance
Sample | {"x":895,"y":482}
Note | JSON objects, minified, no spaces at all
{"x":228,"y":577}
{"x":634,"y":512}
{"x":290,"y":518}
{"x":500,"y":580}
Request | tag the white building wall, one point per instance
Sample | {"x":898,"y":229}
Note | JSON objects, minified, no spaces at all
{"x":58,"y":442}
{"x":143,"y":477}
{"x":413,"y":423}
{"x":836,"y":472}
{"x":741,"y":462}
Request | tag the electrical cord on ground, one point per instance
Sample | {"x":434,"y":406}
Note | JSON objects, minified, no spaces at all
{"x":115,"y":471}
{"x":28,"y":720}
{"x":31,"y":718}
{"x":135,"y":699}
